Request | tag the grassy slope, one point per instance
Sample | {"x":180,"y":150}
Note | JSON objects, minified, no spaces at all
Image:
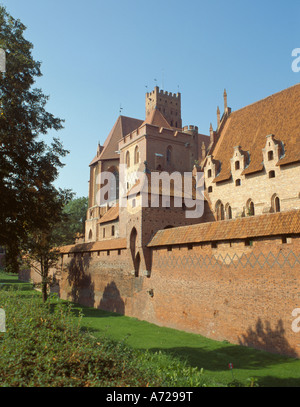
{"x":213,"y":356}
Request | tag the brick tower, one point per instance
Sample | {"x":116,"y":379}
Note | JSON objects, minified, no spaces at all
{"x":168,"y":103}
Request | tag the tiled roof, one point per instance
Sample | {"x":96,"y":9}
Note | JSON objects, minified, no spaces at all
{"x":112,"y":244}
{"x":157,"y":119}
{"x":110,"y":215}
{"x":253,"y":226}
{"x":278,"y":114}
{"x":123,"y":126}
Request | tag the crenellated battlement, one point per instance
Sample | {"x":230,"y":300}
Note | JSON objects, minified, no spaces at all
{"x":168,"y":103}
{"x":163,"y":93}
{"x":190,"y":128}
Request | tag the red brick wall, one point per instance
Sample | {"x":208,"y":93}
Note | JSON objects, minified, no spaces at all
{"x":243,"y":294}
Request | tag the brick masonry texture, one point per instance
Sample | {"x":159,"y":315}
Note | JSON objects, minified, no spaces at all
{"x":243,"y":294}
{"x":227,"y":275}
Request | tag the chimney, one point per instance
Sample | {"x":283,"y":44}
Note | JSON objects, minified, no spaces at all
{"x":225,"y":101}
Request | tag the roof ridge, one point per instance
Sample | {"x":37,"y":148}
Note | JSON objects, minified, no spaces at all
{"x":265,"y":98}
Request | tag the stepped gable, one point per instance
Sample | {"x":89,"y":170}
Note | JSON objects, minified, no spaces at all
{"x":275,"y":224}
{"x":248,"y":127}
{"x":123,"y":126}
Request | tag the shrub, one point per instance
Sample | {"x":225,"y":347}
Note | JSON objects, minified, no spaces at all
{"x":44,"y":346}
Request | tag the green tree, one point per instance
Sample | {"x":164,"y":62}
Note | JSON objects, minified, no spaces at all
{"x":39,"y":248}
{"x":28,"y":166}
{"x":73,"y":221}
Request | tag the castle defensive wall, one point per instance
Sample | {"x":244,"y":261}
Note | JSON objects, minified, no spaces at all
{"x":234,"y":280}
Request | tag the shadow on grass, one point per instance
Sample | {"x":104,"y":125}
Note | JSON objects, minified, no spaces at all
{"x":218,"y":359}
{"x":89,"y":312}
{"x":15,"y":284}
{"x":271,"y":381}
{"x":9,"y":281}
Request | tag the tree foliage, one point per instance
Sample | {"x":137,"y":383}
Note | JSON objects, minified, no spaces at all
{"x":30,"y":205}
{"x":73,"y":222}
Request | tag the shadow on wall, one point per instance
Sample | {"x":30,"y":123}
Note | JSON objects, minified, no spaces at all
{"x":82,"y":288}
{"x":265,"y":338}
{"x":111,"y":299}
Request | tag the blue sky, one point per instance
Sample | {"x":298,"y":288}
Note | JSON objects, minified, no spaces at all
{"x":99,"y":55}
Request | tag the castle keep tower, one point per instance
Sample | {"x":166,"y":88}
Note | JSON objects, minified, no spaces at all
{"x":168,"y":103}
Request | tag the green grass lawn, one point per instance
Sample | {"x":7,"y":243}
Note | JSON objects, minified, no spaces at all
{"x":214,"y":357}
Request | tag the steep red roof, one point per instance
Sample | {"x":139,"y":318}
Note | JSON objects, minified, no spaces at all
{"x":123,"y":126}
{"x":157,"y":119}
{"x":278,"y":114}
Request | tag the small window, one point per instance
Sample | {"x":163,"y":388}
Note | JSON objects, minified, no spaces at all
{"x":286,"y":240}
{"x":113,"y":230}
{"x":103,"y":233}
{"x":133,"y":203}
{"x":272,"y":174}
{"x":229,"y":212}
{"x":119,"y":252}
{"x":251,"y":209}
{"x":169,"y":248}
{"x":248,"y":242}
{"x":237,"y":182}
{"x":136,"y":155}
{"x":209,"y":189}
{"x":169,"y":153}
{"x":237,"y":165}
{"x":128,"y":159}
{"x":214,"y":245}
{"x":277,"y":204}
{"x":209,"y":174}
{"x":190,"y":247}
{"x":270,"y":155}
{"x":108,"y":252}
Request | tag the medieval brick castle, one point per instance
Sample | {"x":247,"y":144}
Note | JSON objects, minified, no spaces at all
{"x":251,"y":165}
{"x":231,"y":274}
